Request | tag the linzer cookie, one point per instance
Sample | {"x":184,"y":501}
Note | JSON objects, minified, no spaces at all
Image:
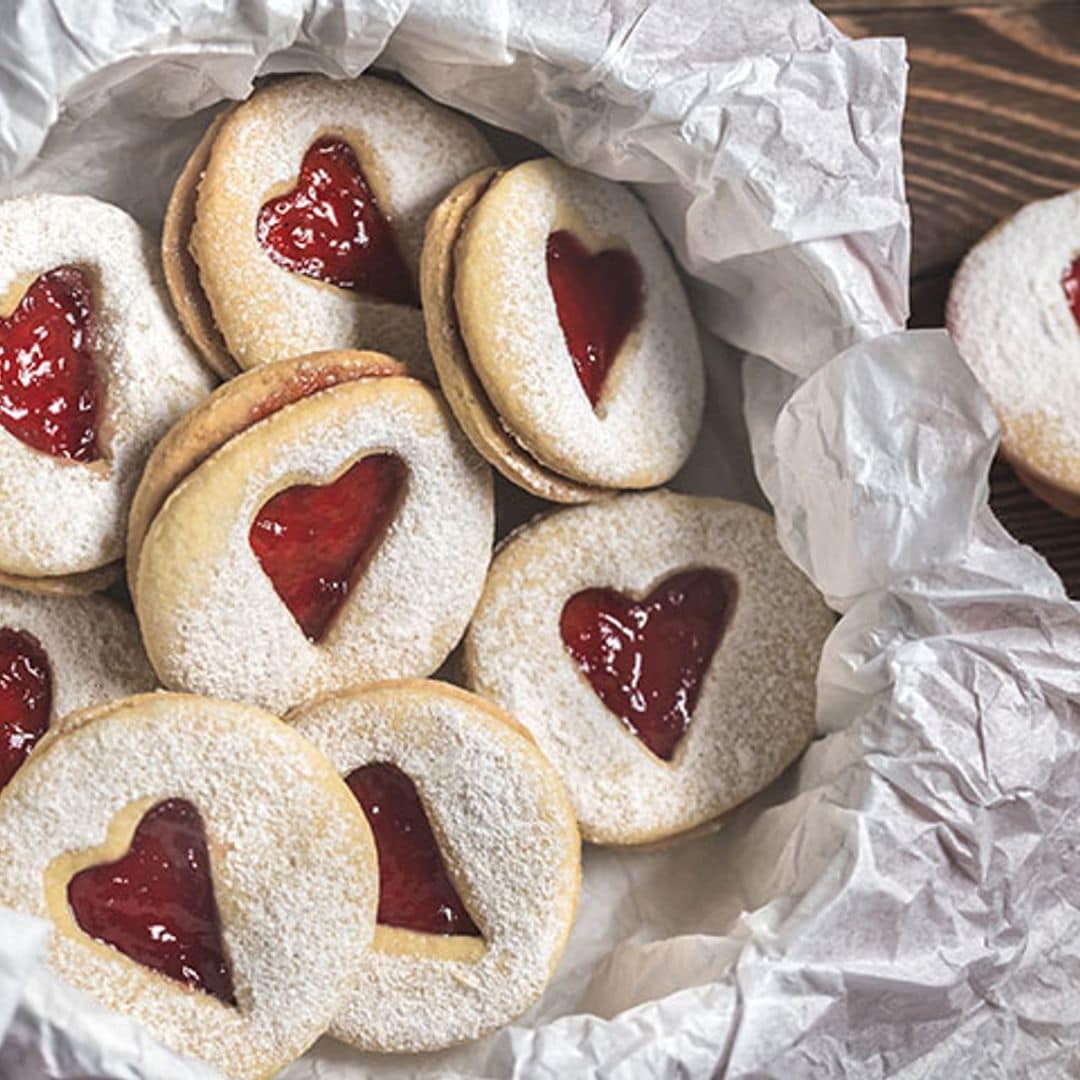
{"x":1014,"y":314}
{"x":479,"y":861}
{"x":204,"y":869}
{"x":317,"y":523}
{"x":59,"y":654}
{"x":297,"y":224}
{"x":560,"y":331}
{"x":662,"y":651}
{"x":93,"y":370}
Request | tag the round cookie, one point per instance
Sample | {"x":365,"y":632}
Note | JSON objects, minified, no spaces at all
{"x":93,"y":370}
{"x":556,"y":314}
{"x":204,"y":870}
{"x":457,"y":380}
{"x":1014,"y":315}
{"x":662,"y":651}
{"x":307,"y":223}
{"x":342,"y":538}
{"x":479,"y":854}
{"x":57,"y":655}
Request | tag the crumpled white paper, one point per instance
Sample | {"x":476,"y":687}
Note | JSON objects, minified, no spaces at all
{"x":904,"y":901}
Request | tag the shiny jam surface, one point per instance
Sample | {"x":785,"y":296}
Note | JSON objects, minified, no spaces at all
{"x":156,"y":904}
{"x":329,"y":227}
{"x":415,"y":891}
{"x":598,"y":299}
{"x":646,"y":659}
{"x":25,"y":698}
{"x":315,"y":541}
{"x":1071,"y":284}
{"x":49,"y":393}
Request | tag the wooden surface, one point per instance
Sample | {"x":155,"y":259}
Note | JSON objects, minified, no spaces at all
{"x":993,"y":122}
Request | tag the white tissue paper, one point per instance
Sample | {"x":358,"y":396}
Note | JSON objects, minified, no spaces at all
{"x":904,"y":901}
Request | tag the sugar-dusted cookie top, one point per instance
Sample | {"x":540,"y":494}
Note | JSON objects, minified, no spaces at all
{"x":662,"y":651}
{"x":309,"y":216}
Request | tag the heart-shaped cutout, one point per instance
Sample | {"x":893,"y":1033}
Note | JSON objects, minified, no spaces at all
{"x":598,"y":298}
{"x":329,"y":227}
{"x":646,"y":659}
{"x":415,"y":891}
{"x":49,"y":395}
{"x":25,"y":698}
{"x":156,"y":904}
{"x":314,"y":541}
{"x":1071,"y":284}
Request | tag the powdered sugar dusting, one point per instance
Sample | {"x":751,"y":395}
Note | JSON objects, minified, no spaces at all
{"x":93,"y":646}
{"x":209,"y":614}
{"x":291,"y":857}
{"x":59,"y":516}
{"x":651,"y":408}
{"x":412,"y":152}
{"x":1011,"y":322}
{"x":756,"y":707}
{"x":506,"y":831}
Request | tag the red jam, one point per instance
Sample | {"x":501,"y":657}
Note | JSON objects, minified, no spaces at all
{"x":1071,"y":284}
{"x":25,"y":698}
{"x":314,"y":542}
{"x":49,"y":394}
{"x":646,"y":659}
{"x":598,"y":299}
{"x":156,"y":904}
{"x":329,"y":227}
{"x":415,"y":891}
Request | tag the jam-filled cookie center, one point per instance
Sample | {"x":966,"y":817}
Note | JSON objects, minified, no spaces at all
{"x":598,"y":298}
{"x":1070,"y":282}
{"x":315,"y":541}
{"x":415,"y":890}
{"x":25,"y":698}
{"x":50,"y":397}
{"x":329,"y":227}
{"x":646,"y":659}
{"x":156,"y":903}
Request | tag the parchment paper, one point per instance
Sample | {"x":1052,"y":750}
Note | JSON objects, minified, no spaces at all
{"x":903,"y":901}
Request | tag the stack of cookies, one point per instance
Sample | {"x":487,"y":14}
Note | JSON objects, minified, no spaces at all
{"x":247,"y":809}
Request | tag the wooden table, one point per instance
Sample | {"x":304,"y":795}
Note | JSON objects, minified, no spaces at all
{"x":993,"y":122}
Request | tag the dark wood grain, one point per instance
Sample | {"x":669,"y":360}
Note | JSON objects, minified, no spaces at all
{"x":992,"y":123}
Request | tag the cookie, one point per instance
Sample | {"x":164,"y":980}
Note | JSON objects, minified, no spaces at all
{"x":328,"y":539}
{"x":93,"y":371}
{"x":59,"y":655}
{"x":661,"y":650}
{"x":479,"y":860}
{"x":204,"y":870}
{"x":560,"y":331}
{"x":1014,"y":315}
{"x":297,"y":224}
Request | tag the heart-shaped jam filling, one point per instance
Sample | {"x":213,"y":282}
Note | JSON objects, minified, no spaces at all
{"x":646,"y":659}
{"x":314,"y":541}
{"x":1071,"y":284}
{"x":156,"y":904}
{"x":25,"y":698}
{"x":49,"y":396}
{"x":329,"y":227}
{"x":415,"y":892}
{"x":598,"y":299}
